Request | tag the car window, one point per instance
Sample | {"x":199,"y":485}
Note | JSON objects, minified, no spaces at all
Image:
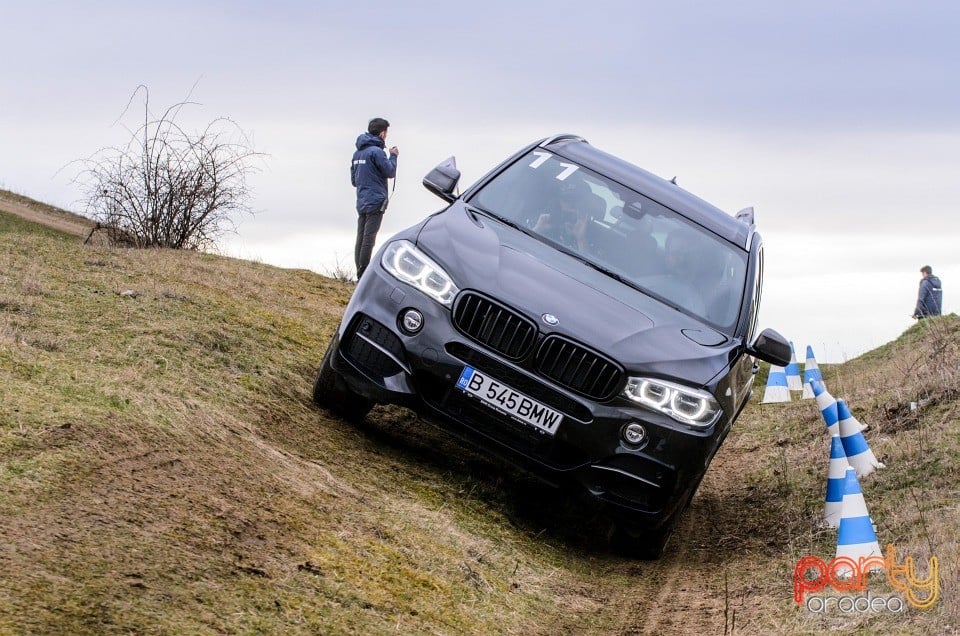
{"x":621,"y":230}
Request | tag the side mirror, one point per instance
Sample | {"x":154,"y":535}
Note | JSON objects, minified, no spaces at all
{"x":442,"y":180}
{"x":771,"y":347}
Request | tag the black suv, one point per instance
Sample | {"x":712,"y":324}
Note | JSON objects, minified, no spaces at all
{"x":573,"y":313}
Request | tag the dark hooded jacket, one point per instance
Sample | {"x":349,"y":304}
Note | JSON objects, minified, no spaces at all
{"x":369,"y":172}
{"x":930,"y":298}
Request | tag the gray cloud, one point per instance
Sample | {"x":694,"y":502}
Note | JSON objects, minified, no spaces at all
{"x":837,"y":118}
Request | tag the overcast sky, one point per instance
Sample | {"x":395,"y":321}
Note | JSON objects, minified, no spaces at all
{"x":838,"y":122}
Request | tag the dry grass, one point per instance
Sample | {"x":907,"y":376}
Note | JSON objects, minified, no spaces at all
{"x":162,"y":470}
{"x":913,"y":501}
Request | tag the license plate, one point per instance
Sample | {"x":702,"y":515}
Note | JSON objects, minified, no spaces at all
{"x":501,"y":397}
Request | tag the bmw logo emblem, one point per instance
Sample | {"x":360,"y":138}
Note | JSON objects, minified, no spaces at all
{"x":550,"y":319}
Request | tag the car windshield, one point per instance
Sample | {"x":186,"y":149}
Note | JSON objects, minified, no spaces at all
{"x":622,"y":232}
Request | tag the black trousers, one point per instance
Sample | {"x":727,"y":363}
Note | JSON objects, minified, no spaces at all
{"x":368,"y":224}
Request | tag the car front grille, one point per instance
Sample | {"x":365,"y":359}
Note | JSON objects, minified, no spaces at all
{"x":493,"y":325}
{"x":578,"y":368}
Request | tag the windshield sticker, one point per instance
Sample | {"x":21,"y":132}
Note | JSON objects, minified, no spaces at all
{"x":540,"y":160}
{"x":543,"y":157}
{"x":569,"y":169}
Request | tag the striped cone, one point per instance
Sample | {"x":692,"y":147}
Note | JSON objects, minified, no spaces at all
{"x":828,"y":407}
{"x":856,"y":538}
{"x":776,"y":390}
{"x":835,"y":477}
{"x":858,"y":452}
{"x":810,"y":372}
{"x":793,"y":372}
{"x":847,"y":411}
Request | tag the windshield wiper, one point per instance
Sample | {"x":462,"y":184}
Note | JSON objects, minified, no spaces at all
{"x":620,"y":279}
{"x":503,"y":220}
{"x":600,"y":268}
{"x":603,"y":270}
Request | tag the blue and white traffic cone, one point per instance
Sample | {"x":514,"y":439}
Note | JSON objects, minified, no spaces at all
{"x":793,"y":372}
{"x":835,"y":476}
{"x":858,"y":452}
{"x":856,"y":538}
{"x":810,"y":372}
{"x":776,"y":390}
{"x":846,"y":412}
{"x":828,"y":407}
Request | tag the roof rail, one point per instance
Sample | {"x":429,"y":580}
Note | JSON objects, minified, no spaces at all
{"x":564,"y":137}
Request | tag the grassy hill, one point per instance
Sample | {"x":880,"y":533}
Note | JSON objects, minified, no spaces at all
{"x":47,"y":216}
{"x":162,"y":470}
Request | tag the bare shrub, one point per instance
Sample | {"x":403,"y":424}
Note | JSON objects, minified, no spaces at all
{"x":168,"y":187}
{"x":340,"y":272}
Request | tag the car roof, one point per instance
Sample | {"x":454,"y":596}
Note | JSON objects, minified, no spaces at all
{"x":660,"y":190}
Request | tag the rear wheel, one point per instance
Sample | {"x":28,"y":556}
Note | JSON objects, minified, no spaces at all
{"x":331,"y":392}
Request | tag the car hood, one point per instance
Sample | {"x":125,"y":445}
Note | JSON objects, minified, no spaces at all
{"x":641,"y":332}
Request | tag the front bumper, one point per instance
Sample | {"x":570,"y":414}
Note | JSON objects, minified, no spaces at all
{"x":379,"y":361}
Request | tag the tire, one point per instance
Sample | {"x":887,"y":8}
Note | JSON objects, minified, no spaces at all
{"x":633,"y":540}
{"x":640,"y":543}
{"x":332,"y":393}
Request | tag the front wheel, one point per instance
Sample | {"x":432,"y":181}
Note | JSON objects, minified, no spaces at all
{"x":640,"y":543}
{"x":332,"y":393}
{"x":635,"y":540}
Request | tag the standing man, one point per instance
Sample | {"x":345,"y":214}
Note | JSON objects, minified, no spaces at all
{"x":369,"y":173}
{"x":930,"y":297}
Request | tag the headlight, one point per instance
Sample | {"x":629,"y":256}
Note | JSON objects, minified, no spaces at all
{"x":690,"y":406}
{"x":407,"y":263}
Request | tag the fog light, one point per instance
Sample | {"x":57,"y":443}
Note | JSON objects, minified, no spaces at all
{"x":411,"y":321}
{"x":634,"y":433}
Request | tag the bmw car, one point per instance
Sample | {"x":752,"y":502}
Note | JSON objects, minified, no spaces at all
{"x":574,"y":314}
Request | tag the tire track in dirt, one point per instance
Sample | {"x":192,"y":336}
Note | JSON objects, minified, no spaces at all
{"x":63,"y":221}
{"x":684,"y":592}
{"x":642,"y":608}
{"x":660,"y":604}
{"x":685,"y":603}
